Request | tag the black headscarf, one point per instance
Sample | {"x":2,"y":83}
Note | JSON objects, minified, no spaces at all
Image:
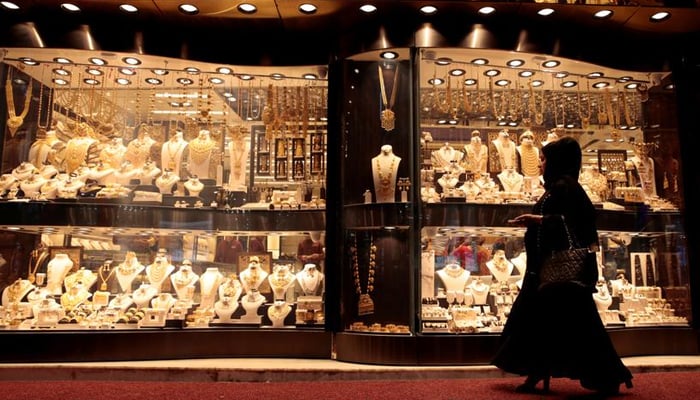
{"x":563,"y":158}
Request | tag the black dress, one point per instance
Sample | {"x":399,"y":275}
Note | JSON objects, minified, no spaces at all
{"x":557,"y":331}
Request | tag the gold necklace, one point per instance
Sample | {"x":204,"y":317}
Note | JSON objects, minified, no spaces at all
{"x":173,"y":153}
{"x":365,"y":304}
{"x":16,"y":291}
{"x":105,"y":268}
{"x":281,"y":279}
{"x":585,"y":117}
{"x":200,"y":150}
{"x":278,"y":311}
{"x":387,"y":116}
{"x":156,"y":272}
{"x":530,"y":160}
{"x":15,"y":121}
{"x":454,"y":272}
{"x":38,"y":256}
{"x":385,"y":180}
{"x":252,"y":278}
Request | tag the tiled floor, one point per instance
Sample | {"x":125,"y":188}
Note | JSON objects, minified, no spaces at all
{"x":275,"y":369}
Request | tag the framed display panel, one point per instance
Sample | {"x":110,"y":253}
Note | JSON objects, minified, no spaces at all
{"x":281,"y":168}
{"x":298,"y":148}
{"x":281,"y":148}
{"x":263,"y":164}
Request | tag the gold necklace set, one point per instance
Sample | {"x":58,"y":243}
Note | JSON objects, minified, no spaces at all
{"x":387,"y":116}
{"x":200,"y":149}
{"x":365,"y":304}
{"x":385,"y":180}
{"x":14,"y":121}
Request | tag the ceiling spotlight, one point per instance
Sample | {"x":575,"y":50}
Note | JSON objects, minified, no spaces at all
{"x":428,"y":10}
{"x":307,"y":8}
{"x":188,"y":9}
{"x":368,"y":8}
{"x":247,"y":8}
{"x":486,"y":10}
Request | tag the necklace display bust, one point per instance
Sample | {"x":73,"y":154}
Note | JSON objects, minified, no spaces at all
{"x":224,"y":308}
{"x":511,"y":181}
{"x":280,"y":280}
{"x":209,"y":284}
{"x":200,"y":151}
{"x":454,"y":277}
{"x":16,"y":292}
{"x":250,"y":303}
{"x":480,"y":291}
{"x":32,"y":185}
{"x":238,"y":154}
{"x":476,"y":154}
{"x":384,"y":169}
{"x":602,"y":297}
{"x":501,"y":268}
{"x":56,"y":271}
{"x":143,"y":295}
{"x":74,"y":297}
{"x":529,"y":155}
{"x":253,"y":276}
{"x":194,"y":186}
{"x":278,"y":312}
{"x":184,"y":280}
{"x":159,"y":271}
{"x":520,"y":262}
{"x":112,"y":155}
{"x":444,"y":157}
{"x":148,"y":173}
{"x":172,"y":151}
{"x":505,"y":151}
{"x":163,"y":301}
{"x":121,"y":301}
{"x":166,"y":182}
{"x":128,"y":270}
{"x":310,"y":280}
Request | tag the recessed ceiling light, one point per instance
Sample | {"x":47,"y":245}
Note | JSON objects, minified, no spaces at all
{"x":245,"y":77}
{"x":435,"y":81}
{"x":551,"y":63}
{"x":128,"y":8}
{"x":632,"y":85}
{"x":660,"y":16}
{"x":492,"y":72}
{"x":224,"y":70}
{"x":457,"y":72}
{"x":131,"y":60}
{"x":389,"y":55}
{"x":600,"y":85}
{"x":486,"y":10}
{"x":9,"y":5}
{"x":98,"y":61}
{"x":61,"y":71}
{"x":216,"y":80}
{"x":28,"y":61}
{"x":307,"y":8}
{"x":368,"y":8}
{"x":537,"y":83}
{"x":122,"y":81}
{"x":443,"y":61}
{"x":470,"y":82}
{"x":192,"y":70}
{"x":526,"y":74}
{"x":594,"y":75}
{"x":94,"y":71}
{"x":502,"y":82}
{"x":515,"y":63}
{"x":310,"y":76}
{"x":127,"y":71}
{"x":603,"y":14}
{"x":60,"y":81}
{"x":184,"y":81}
{"x":428,"y":10}
{"x":561,"y":74}
{"x":545,"y":12}
{"x":70,"y":7}
{"x":480,"y":61}
{"x":188,"y":9}
{"x":277,"y":76}
{"x":91,"y":81}
{"x":569,"y":84}
{"x":153,"y":81}
{"x":247,"y":8}
{"x":160,"y":72}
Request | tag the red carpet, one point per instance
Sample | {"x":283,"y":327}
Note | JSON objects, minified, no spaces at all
{"x":652,"y":386}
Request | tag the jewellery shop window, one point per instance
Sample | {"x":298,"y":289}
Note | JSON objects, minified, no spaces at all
{"x":376,"y":113}
{"x":485,"y":116}
{"x":177,"y":194}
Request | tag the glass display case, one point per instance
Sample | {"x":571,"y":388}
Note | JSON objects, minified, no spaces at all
{"x":140,"y":193}
{"x":484,"y":117}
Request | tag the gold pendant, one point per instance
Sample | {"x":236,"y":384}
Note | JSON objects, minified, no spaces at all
{"x":13,"y":123}
{"x":31,"y":278}
{"x":103,"y":286}
{"x":539,"y":118}
{"x":585,"y":122}
{"x":171,"y":165}
{"x":602,"y":118}
{"x":365,"y":305}
{"x":388,"y":119}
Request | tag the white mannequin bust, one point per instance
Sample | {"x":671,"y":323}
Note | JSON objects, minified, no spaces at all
{"x":310,"y":280}
{"x":476,"y":154}
{"x":602,"y":297}
{"x":277,"y":313}
{"x":166,"y":181}
{"x":384,"y":169}
{"x":480,"y":291}
{"x":199,"y":154}
{"x":32,"y":185}
{"x":238,"y":155}
{"x":121,"y":301}
{"x":148,"y":172}
{"x":445,"y":156}
{"x":194,"y":186}
{"x":143,"y":295}
{"x":15,"y":292}
{"x":501,"y":268}
{"x":511,"y":180}
{"x":112,"y":154}
{"x":56,"y":271}
{"x":184,"y":280}
{"x":505,"y":148}
{"x":159,"y":270}
{"x":454,"y":277}
{"x":280,"y":280}
{"x":225,"y":307}
{"x":529,"y":155}
{"x":253,"y":276}
{"x":520,"y":262}
{"x":128,"y":270}
{"x":172,"y":151}
{"x":163,"y":301}
{"x":209,"y":283}
{"x":250,"y":303}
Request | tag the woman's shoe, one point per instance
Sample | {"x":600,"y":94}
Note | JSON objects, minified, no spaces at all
{"x":530,"y":385}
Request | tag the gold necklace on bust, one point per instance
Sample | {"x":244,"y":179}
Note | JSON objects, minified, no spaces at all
{"x":38,"y":256}
{"x":585,"y":117}
{"x":252,"y":278}
{"x":200,"y":149}
{"x":16,"y":290}
{"x":105,"y":268}
{"x":281,"y":279}
{"x":530,"y":160}
{"x":14,"y":121}
{"x":455,"y":272}
{"x":278,"y":311}
{"x":385,"y":180}
{"x":156,"y":272}
{"x":365,"y":304}
{"x":173,"y":153}
{"x":387,"y":116}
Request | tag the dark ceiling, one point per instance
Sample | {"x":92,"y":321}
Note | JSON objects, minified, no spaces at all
{"x":278,"y":34}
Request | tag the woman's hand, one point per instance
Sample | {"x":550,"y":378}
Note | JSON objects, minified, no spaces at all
{"x":526,"y":220}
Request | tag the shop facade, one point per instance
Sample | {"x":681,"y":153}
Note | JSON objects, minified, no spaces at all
{"x":354,"y":209}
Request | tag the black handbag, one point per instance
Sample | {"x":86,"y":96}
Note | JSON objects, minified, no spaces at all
{"x":575,"y":265}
